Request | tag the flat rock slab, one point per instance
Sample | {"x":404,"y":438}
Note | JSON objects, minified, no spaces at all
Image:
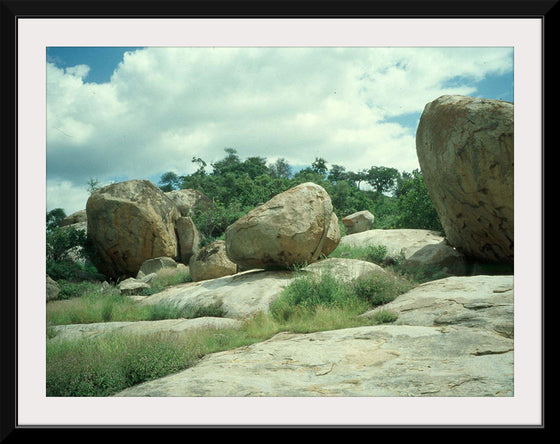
{"x":476,"y":301}
{"x":397,"y":241}
{"x":94,"y":330}
{"x":240,"y":295}
{"x":245,"y":294}
{"x":385,"y":360}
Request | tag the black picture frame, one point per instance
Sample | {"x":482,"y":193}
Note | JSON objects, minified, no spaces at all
{"x":12,"y":11}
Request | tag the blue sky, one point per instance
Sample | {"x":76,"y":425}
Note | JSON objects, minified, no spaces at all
{"x":119,"y":113}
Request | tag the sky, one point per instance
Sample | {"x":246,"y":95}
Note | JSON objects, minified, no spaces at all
{"x":122,"y":113}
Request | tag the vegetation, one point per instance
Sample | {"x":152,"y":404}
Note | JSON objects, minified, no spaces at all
{"x":102,"y":366}
{"x":236,"y":186}
{"x":105,"y":365}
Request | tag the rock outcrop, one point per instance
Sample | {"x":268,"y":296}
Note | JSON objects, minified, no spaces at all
{"x":52,"y":288}
{"x":79,"y":217}
{"x":157,"y":264}
{"x":358,"y":222}
{"x":165,"y":326}
{"x":289,"y":229}
{"x":211,"y":262}
{"x":130,"y":222}
{"x":465,"y":150}
{"x":188,"y":201}
{"x":453,"y":338}
{"x":400,"y":244}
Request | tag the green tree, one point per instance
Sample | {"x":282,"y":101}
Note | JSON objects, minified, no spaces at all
{"x":337,"y":173}
{"x":170,"y":181}
{"x":382,"y":178}
{"x":415,"y":207}
{"x":92,"y":185}
{"x":280,"y":169}
{"x":54,"y":217}
{"x":320,"y":166}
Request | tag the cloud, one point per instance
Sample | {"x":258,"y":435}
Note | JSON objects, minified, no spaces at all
{"x":165,"y":105}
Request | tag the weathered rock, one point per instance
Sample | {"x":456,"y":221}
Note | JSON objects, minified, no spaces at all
{"x":289,"y":229}
{"x":346,"y":270}
{"x":132,"y":286}
{"x":173,"y":326}
{"x":380,"y":361}
{"x":400,"y":243}
{"x":211,"y":262}
{"x":247,"y":293}
{"x":465,"y":151}
{"x":240,"y":296}
{"x":333,"y":237}
{"x":440,"y":255}
{"x":79,"y":217}
{"x":130,"y":222}
{"x":189,"y":200}
{"x":358,"y":222}
{"x":157,"y":264}
{"x":53,"y":289}
{"x":188,"y":238}
{"x":473,"y":301}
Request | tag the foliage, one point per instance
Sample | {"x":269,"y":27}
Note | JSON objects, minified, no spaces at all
{"x":54,"y":217}
{"x":416,"y":209}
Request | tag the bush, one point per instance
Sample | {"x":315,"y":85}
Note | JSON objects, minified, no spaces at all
{"x":309,"y":292}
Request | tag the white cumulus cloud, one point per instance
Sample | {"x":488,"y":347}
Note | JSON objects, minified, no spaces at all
{"x":163,"y":106}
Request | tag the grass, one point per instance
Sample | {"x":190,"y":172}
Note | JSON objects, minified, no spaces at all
{"x":106,"y":365}
{"x":370,"y":253}
{"x":88,"y":302}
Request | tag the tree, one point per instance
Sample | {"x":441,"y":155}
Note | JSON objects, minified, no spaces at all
{"x":92,"y":185}
{"x":320,"y":166}
{"x":280,"y":169}
{"x":357,"y":177}
{"x":170,"y":181}
{"x":382,"y":178}
{"x":415,"y":207}
{"x":54,"y":217}
{"x":337,"y":173}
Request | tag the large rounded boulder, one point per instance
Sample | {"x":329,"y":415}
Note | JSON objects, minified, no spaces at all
{"x":128,"y":223}
{"x":465,"y":151}
{"x":289,"y":229}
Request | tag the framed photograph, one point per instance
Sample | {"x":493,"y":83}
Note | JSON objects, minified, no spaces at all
{"x":370,"y":133}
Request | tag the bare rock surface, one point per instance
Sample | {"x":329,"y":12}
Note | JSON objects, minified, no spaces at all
{"x":289,"y":229}
{"x":385,"y":360}
{"x":474,"y":301}
{"x":176,"y":326}
{"x":465,"y":150}
{"x":398,"y":242}
{"x":250,"y":292}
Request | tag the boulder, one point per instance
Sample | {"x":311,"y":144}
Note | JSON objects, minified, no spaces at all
{"x":157,"y":264}
{"x":53,"y":289}
{"x":345,"y":270}
{"x":358,"y":222}
{"x":188,"y":238}
{"x":289,"y":229}
{"x":211,"y":262}
{"x":189,"y":200}
{"x":78,"y":217}
{"x":333,"y":237}
{"x":132,"y":286}
{"x":465,"y":150}
{"x":130,"y":222}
